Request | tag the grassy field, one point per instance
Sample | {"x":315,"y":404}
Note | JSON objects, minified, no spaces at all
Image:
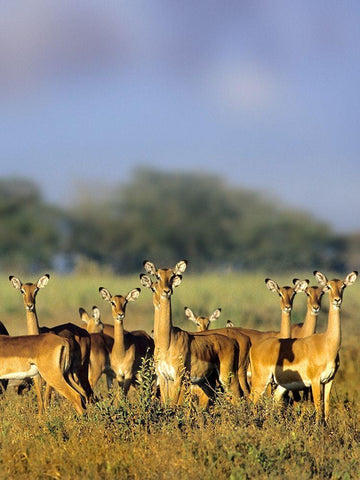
{"x":138,"y":438}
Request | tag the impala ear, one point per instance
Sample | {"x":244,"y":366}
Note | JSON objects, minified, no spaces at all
{"x":215,"y":315}
{"x":229,"y":324}
{"x":321,"y":278}
{"x":176,"y":280}
{"x":83,"y":315}
{"x":96,"y":314}
{"x":190,"y":315}
{"x":43,"y":281}
{"x":133,"y":294}
{"x":180,"y":267}
{"x":145,"y":280}
{"x":300,"y":285}
{"x":271,"y":285}
{"x":350,"y":279}
{"x":105,"y":294}
{"x":149,"y":267}
{"x":16,"y":282}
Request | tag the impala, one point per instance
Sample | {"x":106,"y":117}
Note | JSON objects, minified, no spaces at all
{"x":101,"y":346}
{"x":78,"y":337}
{"x":177,"y":352}
{"x":47,"y":355}
{"x":286,"y":295}
{"x":304,"y":362}
{"x":242,"y":340}
{"x":314,"y":295}
{"x":202,"y":323}
{"x":129,"y":348}
{"x":94,"y":323}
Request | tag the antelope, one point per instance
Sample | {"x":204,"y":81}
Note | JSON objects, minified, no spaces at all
{"x":287,"y":295}
{"x":243,"y":341}
{"x":304,"y":362}
{"x":45,"y":354}
{"x":129,"y":348}
{"x":101,"y":346}
{"x":95,"y":325}
{"x":314,"y":295}
{"x":177,"y":352}
{"x":202,"y":323}
{"x":78,"y":337}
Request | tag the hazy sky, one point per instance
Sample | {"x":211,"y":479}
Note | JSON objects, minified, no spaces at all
{"x":264,"y":93}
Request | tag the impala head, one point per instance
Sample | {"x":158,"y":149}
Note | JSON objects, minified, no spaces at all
{"x":166,"y":279}
{"x":286,"y":294}
{"x":335,"y":287}
{"x":29,"y":290}
{"x":202,"y":323}
{"x":93,"y":321}
{"x":118,"y":302}
{"x":314,"y":295}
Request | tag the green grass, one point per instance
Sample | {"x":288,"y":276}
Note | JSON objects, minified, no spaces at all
{"x":139,"y":438}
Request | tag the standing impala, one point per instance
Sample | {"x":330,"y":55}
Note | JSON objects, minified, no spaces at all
{"x":304,"y":362}
{"x":78,"y":337}
{"x":314,"y":295}
{"x":47,"y":355}
{"x":242,"y":340}
{"x":178,"y":352}
{"x":129,"y":348}
{"x":101,"y":346}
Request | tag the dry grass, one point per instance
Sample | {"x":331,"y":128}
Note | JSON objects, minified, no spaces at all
{"x":138,"y":438}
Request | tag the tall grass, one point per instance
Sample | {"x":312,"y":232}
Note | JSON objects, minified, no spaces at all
{"x":139,"y":438}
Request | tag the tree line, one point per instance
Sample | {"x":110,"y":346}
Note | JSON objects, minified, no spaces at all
{"x":166,"y":216}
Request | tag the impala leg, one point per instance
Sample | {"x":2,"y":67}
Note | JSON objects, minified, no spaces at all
{"x":163,"y":385}
{"x":47,"y":396}
{"x":175,"y":390}
{"x":279,"y":393}
{"x":318,"y":394}
{"x":228,"y":378}
{"x":58,"y":382}
{"x":38,"y":382}
{"x":327,"y":390}
{"x":83,"y":375}
{"x":109,"y":381}
{"x":127,"y":385}
{"x":259,"y":383}
{"x":242,"y":375}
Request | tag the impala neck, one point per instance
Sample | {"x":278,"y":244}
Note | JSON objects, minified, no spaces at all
{"x":32,"y":322}
{"x":333,"y":331}
{"x":309,"y":325}
{"x":285,"y":328}
{"x":163,"y":324}
{"x":119,"y":340}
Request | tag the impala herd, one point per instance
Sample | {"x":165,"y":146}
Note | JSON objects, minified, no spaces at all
{"x":242,"y":362}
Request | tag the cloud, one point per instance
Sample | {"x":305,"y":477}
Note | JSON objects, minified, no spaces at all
{"x":244,"y":87}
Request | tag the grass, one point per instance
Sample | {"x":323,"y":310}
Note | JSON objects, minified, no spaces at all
{"x":138,"y":438}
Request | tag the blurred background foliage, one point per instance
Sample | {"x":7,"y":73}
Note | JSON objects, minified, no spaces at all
{"x":165,"y":217}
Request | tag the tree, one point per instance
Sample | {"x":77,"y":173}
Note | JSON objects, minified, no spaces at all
{"x":30,"y":232}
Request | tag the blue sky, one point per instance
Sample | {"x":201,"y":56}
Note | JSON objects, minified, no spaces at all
{"x":263,"y":93}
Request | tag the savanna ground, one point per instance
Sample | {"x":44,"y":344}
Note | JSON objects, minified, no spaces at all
{"x":138,"y":438}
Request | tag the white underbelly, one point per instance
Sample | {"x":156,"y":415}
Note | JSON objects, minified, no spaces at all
{"x":33,"y":370}
{"x":298,"y":385}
